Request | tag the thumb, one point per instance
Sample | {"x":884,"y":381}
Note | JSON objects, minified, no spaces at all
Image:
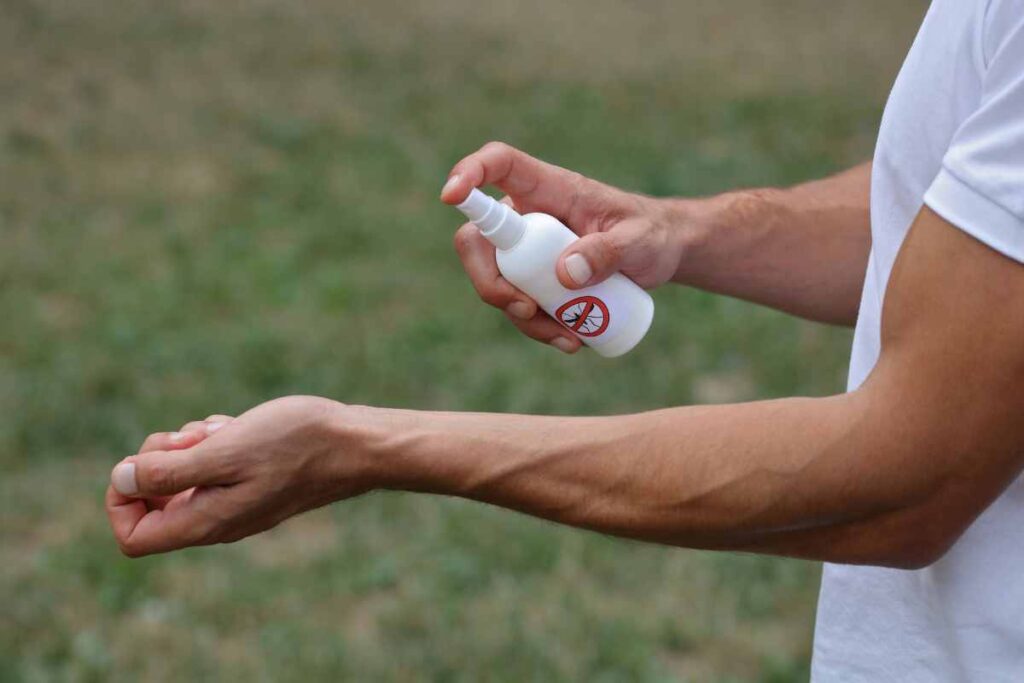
{"x":589,"y":260}
{"x":164,"y":473}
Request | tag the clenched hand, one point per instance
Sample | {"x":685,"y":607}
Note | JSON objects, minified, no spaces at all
{"x":227,"y":478}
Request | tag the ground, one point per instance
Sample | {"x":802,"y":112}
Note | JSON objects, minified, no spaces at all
{"x":207,"y":205}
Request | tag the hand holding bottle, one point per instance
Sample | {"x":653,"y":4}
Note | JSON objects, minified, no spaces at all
{"x":620,"y":232}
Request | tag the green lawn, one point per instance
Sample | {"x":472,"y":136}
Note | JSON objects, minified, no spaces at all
{"x":207,"y":205}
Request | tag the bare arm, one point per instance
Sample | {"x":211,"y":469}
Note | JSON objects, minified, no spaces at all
{"x":803,"y":250}
{"x":890,"y":474}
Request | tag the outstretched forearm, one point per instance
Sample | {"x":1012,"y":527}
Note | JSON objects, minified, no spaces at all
{"x":709,"y":477}
{"x":774,"y":477}
{"x":843,"y":479}
{"x":803,"y":250}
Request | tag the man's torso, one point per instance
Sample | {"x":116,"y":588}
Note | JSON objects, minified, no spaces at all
{"x":962,"y":618}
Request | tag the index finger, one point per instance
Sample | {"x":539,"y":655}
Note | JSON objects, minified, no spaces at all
{"x":140,"y":532}
{"x":533,"y":185}
{"x":477,"y":255}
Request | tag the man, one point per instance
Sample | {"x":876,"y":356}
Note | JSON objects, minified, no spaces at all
{"x":913,"y":474}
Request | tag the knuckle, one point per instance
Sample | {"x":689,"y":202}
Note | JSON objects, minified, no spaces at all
{"x":214,"y":527}
{"x":579,"y":192}
{"x":492,"y":297}
{"x":208,"y":533}
{"x":220,"y":515}
{"x":230,"y":468}
{"x":578,"y":182}
{"x":234,"y":535}
{"x":497,"y":147}
{"x":584,"y":188}
{"x":609,"y":248}
{"x":130,"y":548}
{"x":160,"y":477}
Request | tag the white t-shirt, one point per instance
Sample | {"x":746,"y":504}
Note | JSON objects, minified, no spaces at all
{"x":952,"y":137}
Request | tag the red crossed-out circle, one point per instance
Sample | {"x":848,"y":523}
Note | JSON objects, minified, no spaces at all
{"x":587,"y":316}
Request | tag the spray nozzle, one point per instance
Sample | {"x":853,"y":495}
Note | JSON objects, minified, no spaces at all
{"x":497,"y":222}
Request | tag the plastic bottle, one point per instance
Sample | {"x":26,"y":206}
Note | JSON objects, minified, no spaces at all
{"x":611,"y":317}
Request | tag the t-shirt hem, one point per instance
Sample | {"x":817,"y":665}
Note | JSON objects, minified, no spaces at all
{"x":976,"y":214}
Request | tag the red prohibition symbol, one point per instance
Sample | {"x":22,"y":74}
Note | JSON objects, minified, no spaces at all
{"x":587,"y":316}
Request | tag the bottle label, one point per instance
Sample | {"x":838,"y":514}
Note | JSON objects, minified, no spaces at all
{"x":586,"y":316}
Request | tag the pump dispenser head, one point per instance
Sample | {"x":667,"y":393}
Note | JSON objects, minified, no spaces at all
{"x":498,"y":222}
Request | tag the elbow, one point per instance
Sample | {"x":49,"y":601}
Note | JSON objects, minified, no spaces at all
{"x":916,"y":554}
{"x":912,"y":543}
{"x":914,"y":500}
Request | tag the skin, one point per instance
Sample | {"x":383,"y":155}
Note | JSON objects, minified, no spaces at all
{"x":890,"y":474}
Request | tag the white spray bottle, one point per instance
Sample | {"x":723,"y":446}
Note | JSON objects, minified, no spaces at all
{"x":611,"y":317}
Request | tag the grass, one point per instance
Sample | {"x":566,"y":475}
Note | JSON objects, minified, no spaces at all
{"x":207,"y":205}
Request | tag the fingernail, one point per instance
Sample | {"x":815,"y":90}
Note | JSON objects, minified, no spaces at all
{"x":452,"y":182}
{"x":520,"y":309}
{"x":211,"y":427}
{"x":563,"y":345}
{"x":175,"y":437}
{"x":578,"y":268}
{"x":123,"y":479}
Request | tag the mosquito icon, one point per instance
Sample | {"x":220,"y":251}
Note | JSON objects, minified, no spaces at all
{"x":587,"y":316}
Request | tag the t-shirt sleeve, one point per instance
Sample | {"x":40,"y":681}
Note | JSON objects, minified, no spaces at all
{"x":980,"y":188}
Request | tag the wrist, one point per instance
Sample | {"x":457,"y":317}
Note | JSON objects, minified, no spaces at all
{"x":358,"y":437}
{"x":709,"y":226}
{"x":388,"y":449}
{"x":689,"y":223}
{"x":448,"y":453}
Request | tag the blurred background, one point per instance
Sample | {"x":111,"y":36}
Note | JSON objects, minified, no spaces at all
{"x":205,"y":205}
